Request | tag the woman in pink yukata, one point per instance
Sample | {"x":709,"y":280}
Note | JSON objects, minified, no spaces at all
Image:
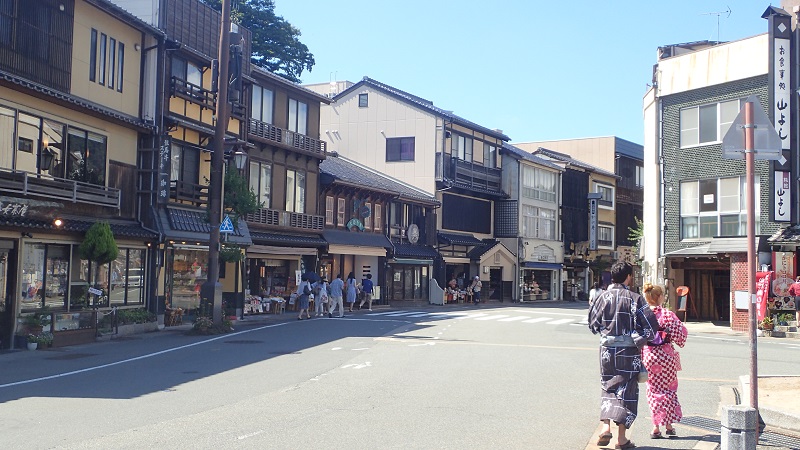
{"x":663,"y":363}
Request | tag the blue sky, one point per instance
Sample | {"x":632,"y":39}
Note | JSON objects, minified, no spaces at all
{"x":538,"y":70}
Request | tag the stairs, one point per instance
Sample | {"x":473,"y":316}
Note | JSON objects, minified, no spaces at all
{"x":786,"y":331}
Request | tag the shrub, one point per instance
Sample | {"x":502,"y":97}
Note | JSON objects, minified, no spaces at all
{"x":131,"y":316}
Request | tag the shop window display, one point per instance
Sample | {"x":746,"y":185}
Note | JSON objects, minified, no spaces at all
{"x":536,"y":285}
{"x":189,"y":272}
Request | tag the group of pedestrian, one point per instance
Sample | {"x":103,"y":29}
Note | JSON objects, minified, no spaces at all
{"x":637,"y":334}
{"x":329,"y":297}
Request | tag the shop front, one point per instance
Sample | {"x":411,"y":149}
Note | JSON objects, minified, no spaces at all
{"x":360,"y":253}
{"x":540,"y":281}
{"x":409,"y":269}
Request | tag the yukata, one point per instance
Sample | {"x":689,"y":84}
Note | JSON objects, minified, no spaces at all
{"x":663,"y":363}
{"x":625,"y":323}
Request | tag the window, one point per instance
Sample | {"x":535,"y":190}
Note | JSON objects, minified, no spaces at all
{"x":298,"y":116}
{"x":378,"y":222}
{"x":262,"y":104}
{"x":93,"y":56}
{"x":86,"y":158}
{"x":120,"y":65}
{"x":185,"y":167}
{"x":187,"y":71}
{"x":103,"y":39}
{"x":639,"y":176}
{"x":538,"y":222}
{"x":328,"y":210}
{"x":112,"y":63}
{"x":715,"y":207}
{"x":340,"y":212}
{"x":261,"y":181}
{"x":363,"y":100}
{"x":538,"y":184}
{"x":6,"y":22}
{"x":489,"y":155}
{"x":707,"y":123}
{"x":607,"y":192}
{"x":462,"y":147}
{"x":605,"y":236}
{"x":295,"y":191}
{"x":368,"y":218}
{"x":400,"y":149}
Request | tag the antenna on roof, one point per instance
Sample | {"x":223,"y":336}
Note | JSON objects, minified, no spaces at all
{"x":718,"y":13}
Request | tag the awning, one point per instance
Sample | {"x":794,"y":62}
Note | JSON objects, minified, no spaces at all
{"x":458,"y":239}
{"x":541,"y":265}
{"x":720,"y":245}
{"x":276,"y":252}
{"x":418,"y":262}
{"x":698,"y":250}
{"x":415,"y":252}
{"x":338,"y":249}
{"x":288,"y":240}
{"x":191,"y":226}
{"x":356,"y":238}
{"x":120,"y":228}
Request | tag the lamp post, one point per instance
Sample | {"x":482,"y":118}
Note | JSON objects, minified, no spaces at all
{"x":211,"y":290}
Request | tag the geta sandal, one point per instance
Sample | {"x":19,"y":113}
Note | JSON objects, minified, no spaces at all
{"x":604,"y":439}
{"x":625,"y":446}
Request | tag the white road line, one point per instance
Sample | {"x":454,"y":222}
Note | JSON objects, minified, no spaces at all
{"x":381,"y":313}
{"x":471,"y":316}
{"x":420,"y":315}
{"x":538,"y":319}
{"x":403,"y":313}
{"x":559,"y":322}
{"x":497,"y":316}
{"x":512,"y":319}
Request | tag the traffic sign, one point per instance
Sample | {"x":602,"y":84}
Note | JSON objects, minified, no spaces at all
{"x":766,"y":142}
{"x":226,"y":226}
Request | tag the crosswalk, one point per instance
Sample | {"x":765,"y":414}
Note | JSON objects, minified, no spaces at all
{"x":522,"y":317}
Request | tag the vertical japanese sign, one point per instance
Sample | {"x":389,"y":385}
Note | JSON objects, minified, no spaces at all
{"x":780,"y":111}
{"x":763,"y":280}
{"x":164,"y":168}
{"x":783,"y":263}
{"x":781,"y":89}
{"x":593,"y":198}
{"x":783,"y":196}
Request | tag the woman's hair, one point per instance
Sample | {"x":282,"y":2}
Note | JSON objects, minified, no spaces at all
{"x":596,"y":285}
{"x":351,"y":275}
{"x":652,"y":293}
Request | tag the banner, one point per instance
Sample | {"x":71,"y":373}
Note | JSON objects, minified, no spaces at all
{"x":762,"y":293}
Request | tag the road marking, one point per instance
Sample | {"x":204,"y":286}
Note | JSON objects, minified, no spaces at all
{"x":422,"y":345}
{"x":538,"y":319}
{"x":559,"y":322}
{"x":421,"y":315}
{"x":357,"y":366}
{"x":473,"y":316}
{"x":498,"y":316}
{"x":512,"y":319}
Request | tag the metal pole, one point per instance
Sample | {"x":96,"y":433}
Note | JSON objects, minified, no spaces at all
{"x":215,"y":189}
{"x":749,"y":156}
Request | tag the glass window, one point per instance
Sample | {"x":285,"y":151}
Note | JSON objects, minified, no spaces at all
{"x":194,"y":75}
{"x":178,"y":68}
{"x":298,"y":116}
{"x":708,"y":226}
{"x":378,"y":222}
{"x":689,"y":198}
{"x":262,"y":104}
{"x":489,"y":155}
{"x":538,"y":184}
{"x":120,"y":66}
{"x":689,"y":228}
{"x":705,"y":216}
{"x":689,"y":127}
{"x":340,"y":211}
{"x":708,"y":123}
{"x":112,"y":62}
{"x":103,"y":39}
{"x":29,"y":130}
{"x":93,"y":56}
{"x":368,"y":217}
{"x":462,"y":147}
{"x":7,"y":123}
{"x":328,"y":210}
{"x":607,"y":192}
{"x":261,"y":181}
{"x":295,"y":191}
{"x":363,"y":100}
{"x":708,"y":195}
{"x":605,"y":236}
{"x":727,"y":113}
{"x":729,"y":195}
{"x":400,"y":149}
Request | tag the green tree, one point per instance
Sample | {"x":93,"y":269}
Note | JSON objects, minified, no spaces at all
{"x":239,"y":200}
{"x":276,"y":43}
{"x":98,"y":246}
{"x":636,"y":235}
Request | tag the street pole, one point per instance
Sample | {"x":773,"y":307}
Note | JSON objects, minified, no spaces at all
{"x":749,"y":156}
{"x":212,"y":290}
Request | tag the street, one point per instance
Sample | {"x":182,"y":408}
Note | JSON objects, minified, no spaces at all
{"x":498,"y":376}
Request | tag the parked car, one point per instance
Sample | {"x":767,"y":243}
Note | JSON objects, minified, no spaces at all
{"x":135,"y":277}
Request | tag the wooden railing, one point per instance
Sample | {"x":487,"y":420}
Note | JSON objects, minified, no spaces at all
{"x":470,"y":174}
{"x":183,"y":192}
{"x":47,"y":187}
{"x":286,"y":138}
{"x":193,"y":93}
{"x":286,"y":219}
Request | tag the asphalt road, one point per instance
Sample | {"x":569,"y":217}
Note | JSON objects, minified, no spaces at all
{"x":502,"y":376}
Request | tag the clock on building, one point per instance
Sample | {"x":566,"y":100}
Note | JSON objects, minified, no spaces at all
{"x":413,"y":233}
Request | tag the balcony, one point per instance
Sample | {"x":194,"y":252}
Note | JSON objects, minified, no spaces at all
{"x":285,"y":138}
{"x":286,"y":220}
{"x":193,"y":93}
{"x":188,"y":193}
{"x":52,"y":188}
{"x":469,"y":174}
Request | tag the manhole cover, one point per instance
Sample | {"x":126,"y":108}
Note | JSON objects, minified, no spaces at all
{"x":69,"y":356}
{"x":244,"y":341}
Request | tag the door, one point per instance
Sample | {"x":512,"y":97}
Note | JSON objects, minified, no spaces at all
{"x":8,"y":276}
{"x":495,"y":284}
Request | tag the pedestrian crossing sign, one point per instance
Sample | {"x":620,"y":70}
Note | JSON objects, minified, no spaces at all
{"x":226,"y":226}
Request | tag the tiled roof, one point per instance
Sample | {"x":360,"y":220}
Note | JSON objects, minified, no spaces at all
{"x":458,"y":239}
{"x":279,"y":79}
{"x":118,"y":228}
{"x":497,"y":193}
{"x":345,"y":171}
{"x":479,"y":250}
{"x":357,"y":238}
{"x":414,"y":251}
{"x":192,"y":225}
{"x":76,"y":101}
{"x":522,"y":154}
{"x":293,"y":240}
{"x":422,"y":103}
{"x":541,"y":151}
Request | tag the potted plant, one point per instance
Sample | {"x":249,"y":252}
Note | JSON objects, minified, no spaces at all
{"x":767,"y":324}
{"x":33,"y":341}
{"x":45,"y":340}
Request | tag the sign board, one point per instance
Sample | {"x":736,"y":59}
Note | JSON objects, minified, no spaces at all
{"x":95,"y":291}
{"x":741,"y":299}
{"x":593,"y":198}
{"x":227,"y":225}
{"x":783,"y":263}
{"x":766,"y":143}
{"x":164,"y":169}
{"x":782,"y":196}
{"x":682,"y":301}
{"x":763,"y":281}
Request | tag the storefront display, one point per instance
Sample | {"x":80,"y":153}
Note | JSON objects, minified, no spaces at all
{"x":537,"y":285}
{"x":189,"y":271}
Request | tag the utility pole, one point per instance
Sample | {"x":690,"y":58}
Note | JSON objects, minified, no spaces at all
{"x":211,"y":291}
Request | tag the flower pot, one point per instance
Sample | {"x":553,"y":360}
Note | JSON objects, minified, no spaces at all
{"x":32,"y":345}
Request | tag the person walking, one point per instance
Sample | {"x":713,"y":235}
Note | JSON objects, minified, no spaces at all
{"x":475,"y":287}
{"x":352,"y":291}
{"x":794,"y":291}
{"x":595,"y":292}
{"x":303,"y":291}
{"x":663,"y":362}
{"x":337,"y":286}
{"x":625,"y":324}
{"x":320,"y":297}
{"x":366,"y":288}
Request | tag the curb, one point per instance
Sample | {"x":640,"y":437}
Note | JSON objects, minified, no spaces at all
{"x":771,"y":417}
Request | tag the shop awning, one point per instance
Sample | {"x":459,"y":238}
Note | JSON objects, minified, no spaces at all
{"x":289,"y":240}
{"x":542,"y":265}
{"x":120,"y":228}
{"x":788,"y":235}
{"x":278,"y":252}
{"x":458,"y":239}
{"x":356,"y":238}
{"x":191,"y":226}
{"x":418,"y":262}
{"x":338,"y":249}
{"x":415,"y":252}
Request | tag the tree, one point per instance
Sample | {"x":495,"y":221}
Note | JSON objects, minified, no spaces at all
{"x":239,"y":200}
{"x":98,"y":246}
{"x":636,"y":235}
{"x":275,"y":43}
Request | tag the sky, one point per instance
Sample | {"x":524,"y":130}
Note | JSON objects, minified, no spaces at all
{"x":536,"y":69}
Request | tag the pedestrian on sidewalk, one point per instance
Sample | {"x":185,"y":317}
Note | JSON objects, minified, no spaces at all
{"x":366,"y":288}
{"x":663,"y":362}
{"x":320,"y":297}
{"x":475,"y":287}
{"x":352,"y":291}
{"x":596,"y":291}
{"x":625,"y":324}
{"x":303,"y":291}
{"x":794,"y":291}
{"x":337,"y":286}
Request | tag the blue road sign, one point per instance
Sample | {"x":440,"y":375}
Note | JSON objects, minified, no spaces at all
{"x":226,"y":226}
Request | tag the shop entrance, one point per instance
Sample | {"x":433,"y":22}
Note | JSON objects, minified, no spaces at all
{"x":496,"y":284}
{"x":711,"y":290}
{"x":8,"y":276}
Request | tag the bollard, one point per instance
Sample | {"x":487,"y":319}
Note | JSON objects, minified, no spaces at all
{"x":739,"y":425}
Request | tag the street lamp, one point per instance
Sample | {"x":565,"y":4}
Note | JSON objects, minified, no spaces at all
{"x":240,"y":159}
